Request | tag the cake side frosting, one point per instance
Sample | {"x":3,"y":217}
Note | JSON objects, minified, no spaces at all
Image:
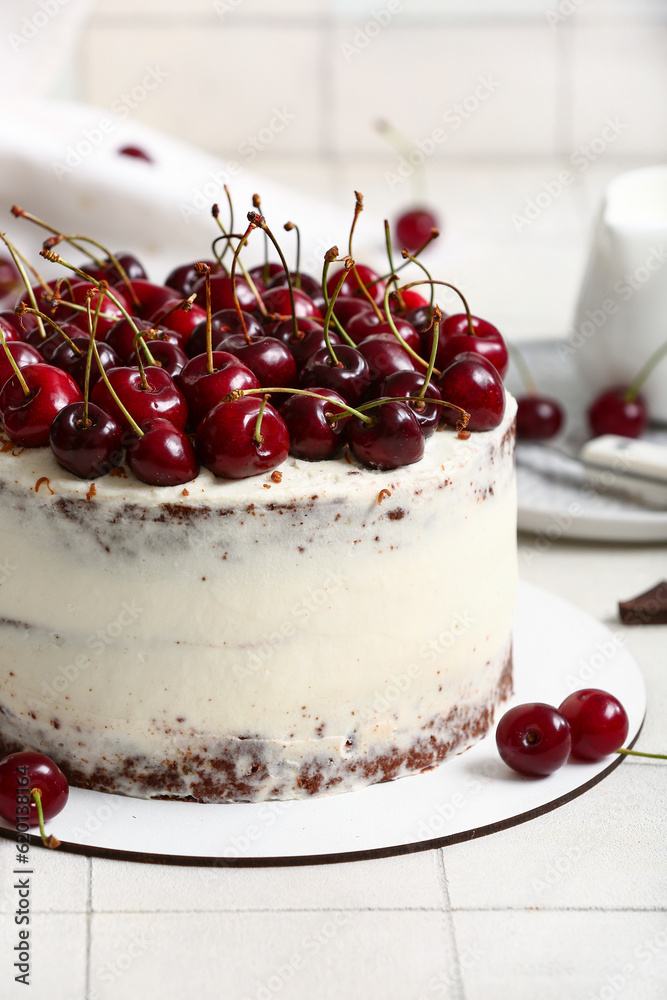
{"x":258,"y":638}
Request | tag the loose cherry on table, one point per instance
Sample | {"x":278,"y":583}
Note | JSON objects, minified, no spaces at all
{"x":163,"y":455}
{"x":242,"y":438}
{"x":534,"y":739}
{"x":391,"y":439}
{"x":598,"y":723}
{"x":135,"y":153}
{"x":474,"y":384}
{"x":612,"y":412}
{"x":153,"y":394}
{"x":27,"y":415}
{"x":34,"y":775}
{"x":538,"y":418}
{"x":312,"y":435}
{"x":414,"y":227}
{"x":86,"y":441}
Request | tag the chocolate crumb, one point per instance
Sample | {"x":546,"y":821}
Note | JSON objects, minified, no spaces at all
{"x":649,"y":608}
{"x":92,"y":490}
{"x":463,"y":436}
{"x":382,"y":495}
{"x":48,"y":485}
{"x":276,"y":477}
{"x":267,"y":486}
{"x":185,"y":493}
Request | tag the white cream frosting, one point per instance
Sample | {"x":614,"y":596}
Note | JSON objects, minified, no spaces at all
{"x":311,"y":615}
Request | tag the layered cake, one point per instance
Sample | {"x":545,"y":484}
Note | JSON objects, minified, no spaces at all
{"x":312,"y":630}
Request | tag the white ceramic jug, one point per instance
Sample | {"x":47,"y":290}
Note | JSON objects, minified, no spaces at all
{"x":621,"y":315}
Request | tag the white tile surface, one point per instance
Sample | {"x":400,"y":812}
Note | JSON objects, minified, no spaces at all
{"x":298,"y":955}
{"x":59,"y":883}
{"x":557,"y":955}
{"x":413,"y":881}
{"x":58,"y":964}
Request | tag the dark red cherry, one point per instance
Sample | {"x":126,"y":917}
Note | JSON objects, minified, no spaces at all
{"x":121,"y":337}
{"x":221,"y":293}
{"x":162,"y":398}
{"x":110,"y":313}
{"x":204,"y":390}
{"x":350,"y":377}
{"x":23,"y":355}
{"x":9,"y":322}
{"x":48,"y":347}
{"x":346,"y":307}
{"x":304,"y":283}
{"x":135,"y":153}
{"x":409,"y":384}
{"x":109,"y":272}
{"x":413,"y":228}
{"x":368,"y":277}
{"x":182,"y":321}
{"x":384,"y":355}
{"x":10,"y":279}
{"x":89,"y":449}
{"x":362,"y":325}
{"x":455,"y":339}
{"x":226,"y":442}
{"x":277,"y":302}
{"x":538,"y":418}
{"x":184,"y":277}
{"x":75,"y":364}
{"x":406,"y":330}
{"x":392,"y":440}
{"x":223,"y":322}
{"x":473,"y":383}
{"x":28,"y":419}
{"x":612,"y":413}
{"x":421,"y":317}
{"x":269,"y":359}
{"x":264,"y":272}
{"x":9,"y":331}
{"x":164,"y":456}
{"x":170,"y":357}
{"x":598,"y":723}
{"x":312,"y":436}
{"x":152,"y":298}
{"x":534,"y":739}
{"x":310,"y":341}
{"x":408,"y":301}
{"x":23,"y":771}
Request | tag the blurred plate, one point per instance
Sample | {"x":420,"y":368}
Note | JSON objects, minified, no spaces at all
{"x":554,"y":500}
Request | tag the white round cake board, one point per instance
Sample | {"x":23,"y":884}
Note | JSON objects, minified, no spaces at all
{"x":558,"y":649}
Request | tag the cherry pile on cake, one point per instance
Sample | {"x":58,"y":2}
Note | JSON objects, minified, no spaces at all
{"x":257,"y":526}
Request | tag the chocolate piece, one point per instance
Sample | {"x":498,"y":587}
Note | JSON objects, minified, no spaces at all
{"x":647,"y":609}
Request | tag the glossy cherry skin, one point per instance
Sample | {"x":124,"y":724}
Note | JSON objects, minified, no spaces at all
{"x":184,"y":277}
{"x":223,"y":322}
{"x":384,"y":356}
{"x":409,"y":384}
{"x":10,"y":332}
{"x":612,"y":413}
{"x":48,"y":347}
{"x":169,"y":357}
{"x":534,"y":739}
{"x":181,"y":322}
{"x":109,"y":272}
{"x":368,"y":277}
{"x":406,"y":330}
{"x":362,"y":325}
{"x":75,"y":364}
{"x":421,"y":318}
{"x":110,"y":313}
{"x":303,"y":283}
{"x":221,"y":293}
{"x":393,"y":439}
{"x":151,"y":297}
{"x":538,"y":418}
{"x":225,"y":439}
{"x":23,"y":355}
{"x":413,"y":228}
{"x":10,"y":321}
{"x":161,"y":399}
{"x":269,"y":359}
{"x":346,"y":307}
{"x":455,"y":338}
{"x":311,"y":341}
{"x":28,"y":419}
{"x":204,"y":390}
{"x":409,"y":300}
{"x":163,"y":456}
{"x":311,"y":435}
{"x":277,"y":302}
{"x":598,"y":723}
{"x":86,"y":450}
{"x":265,"y":272}
{"x":135,"y":153}
{"x":40,"y":772}
{"x":10,"y":279}
{"x":121,"y":338}
{"x":473,"y":383}
{"x":351,"y":377}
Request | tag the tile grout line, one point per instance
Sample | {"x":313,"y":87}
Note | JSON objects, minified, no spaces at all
{"x":459,"y":986}
{"x":370,"y":909}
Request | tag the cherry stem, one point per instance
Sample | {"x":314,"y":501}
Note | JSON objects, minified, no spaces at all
{"x":409,"y":257}
{"x":140,"y":365}
{"x":347,"y":266}
{"x":20,"y":213}
{"x":288,"y":227}
{"x":260,"y":221}
{"x":637,"y":383}
{"x":434,"y":281}
{"x":266,"y":274}
{"x":394,"y":329}
{"x":329,"y":257}
{"x":237,"y":304}
{"x":434,"y":349}
{"x":215,"y":212}
{"x":258,"y":424}
{"x":246,"y":273}
{"x":123,"y":409}
{"x":203,"y":268}
{"x":640,"y":753}
{"x":387,"y":240}
{"x":140,"y":342}
{"x":34,"y":270}
{"x":24,"y":276}
{"x":524,"y":371}
{"x":23,"y":308}
{"x":237,"y":394}
{"x":184,"y":304}
{"x":404,"y":147}
{"x":92,"y":331}
{"x":12,"y":361}
{"x":358,"y":209}
{"x":461,"y":424}
{"x":50,"y":841}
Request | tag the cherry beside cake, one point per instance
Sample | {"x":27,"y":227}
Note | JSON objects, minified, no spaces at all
{"x":249,"y":600}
